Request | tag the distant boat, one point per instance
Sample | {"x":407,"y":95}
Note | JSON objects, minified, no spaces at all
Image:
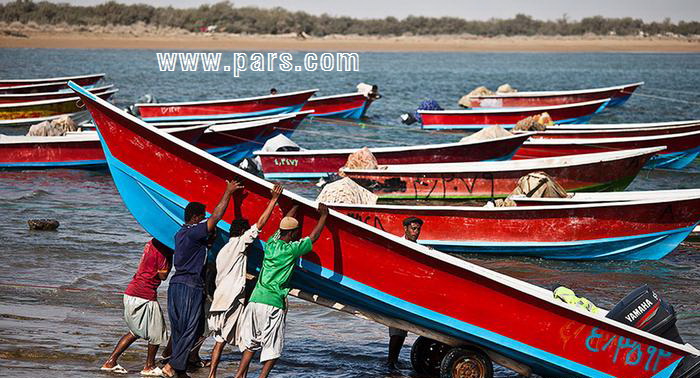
{"x":681,"y":149}
{"x":73,"y":150}
{"x":475,"y":119}
{"x":646,"y":228}
{"x":308,"y":164}
{"x":39,"y":88}
{"x":597,"y":131}
{"x":230,"y":108}
{"x":604,"y":171}
{"x":14,"y":98}
{"x":81,"y":80}
{"x":24,"y":113}
{"x":348,"y":105}
{"x":618,"y":95}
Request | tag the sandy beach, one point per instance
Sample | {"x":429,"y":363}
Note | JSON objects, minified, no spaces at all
{"x":171,"y":39}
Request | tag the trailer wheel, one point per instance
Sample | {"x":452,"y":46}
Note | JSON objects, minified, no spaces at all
{"x":427,"y":354}
{"x":466,"y":363}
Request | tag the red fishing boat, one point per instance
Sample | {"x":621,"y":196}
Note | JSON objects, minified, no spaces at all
{"x":23,"y":113}
{"x":307,"y":164}
{"x":80,"y":80}
{"x":618,"y":95}
{"x":681,"y":149}
{"x":73,"y":150}
{"x":348,"y":105}
{"x":588,"y":198}
{"x":618,"y":130}
{"x":642,"y":229}
{"x":474,"y":119}
{"x":42,"y":96}
{"x":38,"y":88}
{"x":232,"y":108}
{"x":604,"y":171}
{"x":435,"y":294}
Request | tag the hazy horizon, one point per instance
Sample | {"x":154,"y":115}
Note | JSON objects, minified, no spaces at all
{"x":647,"y":10}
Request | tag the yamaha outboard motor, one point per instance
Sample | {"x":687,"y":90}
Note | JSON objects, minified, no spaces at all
{"x":145,"y":99}
{"x":645,"y":309}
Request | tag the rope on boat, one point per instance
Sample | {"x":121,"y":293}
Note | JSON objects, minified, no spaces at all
{"x":673,"y":90}
{"x":668,"y":99}
{"x":323,"y":133}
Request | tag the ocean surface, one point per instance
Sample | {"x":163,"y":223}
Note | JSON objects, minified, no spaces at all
{"x":60,"y":301}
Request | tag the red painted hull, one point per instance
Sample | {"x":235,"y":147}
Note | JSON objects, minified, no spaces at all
{"x":449,"y":288}
{"x":535,"y":148}
{"x":504,"y":116}
{"x":291,"y":163}
{"x":550,"y":98}
{"x":49,"y":108}
{"x":592,"y":132}
{"x":19,"y":98}
{"x":34,"y":88}
{"x":527,"y":224}
{"x":80,"y":80}
{"x":424,"y":185}
{"x":47,"y":152}
{"x":337,"y":105}
{"x":224,"y":107}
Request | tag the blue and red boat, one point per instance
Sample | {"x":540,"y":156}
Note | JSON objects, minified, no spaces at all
{"x":361,"y":266}
{"x":348,"y":105}
{"x":230,"y":108}
{"x":475,"y":119}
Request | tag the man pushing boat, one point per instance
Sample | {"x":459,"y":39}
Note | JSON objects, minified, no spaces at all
{"x":264,"y":318}
{"x":186,"y":291}
{"x":411,"y":231}
{"x":229,"y":296}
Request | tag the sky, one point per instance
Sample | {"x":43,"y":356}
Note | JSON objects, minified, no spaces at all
{"x":648,"y":10}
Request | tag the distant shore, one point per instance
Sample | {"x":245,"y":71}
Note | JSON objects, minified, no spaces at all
{"x":127,"y":37}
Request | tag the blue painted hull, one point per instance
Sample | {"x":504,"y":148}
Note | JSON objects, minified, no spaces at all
{"x":675,"y":160}
{"x":639,"y":247}
{"x":618,"y":101}
{"x":281,"y":110}
{"x":355,"y":113}
{"x":87,"y":164}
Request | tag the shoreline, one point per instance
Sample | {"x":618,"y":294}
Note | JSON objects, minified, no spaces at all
{"x":182,"y":40}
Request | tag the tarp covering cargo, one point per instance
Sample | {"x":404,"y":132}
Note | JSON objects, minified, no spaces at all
{"x":491,"y":132}
{"x":346,"y":191}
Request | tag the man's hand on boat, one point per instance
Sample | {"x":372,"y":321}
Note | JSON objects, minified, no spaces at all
{"x":232,"y":186}
{"x":276,"y":191}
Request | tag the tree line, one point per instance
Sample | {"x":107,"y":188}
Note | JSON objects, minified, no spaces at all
{"x":252,"y":20}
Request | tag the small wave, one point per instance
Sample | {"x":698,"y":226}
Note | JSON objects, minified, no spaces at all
{"x":35,"y":194}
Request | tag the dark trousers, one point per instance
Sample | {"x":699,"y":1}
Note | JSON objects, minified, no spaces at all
{"x":186,"y":312}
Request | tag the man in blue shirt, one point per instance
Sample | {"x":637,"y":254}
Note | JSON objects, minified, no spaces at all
{"x":186,"y":290}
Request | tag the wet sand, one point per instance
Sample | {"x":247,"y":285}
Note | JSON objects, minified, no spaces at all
{"x":172,"y":40}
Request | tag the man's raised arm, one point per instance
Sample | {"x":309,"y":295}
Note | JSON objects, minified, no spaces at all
{"x":276,"y":192}
{"x":220,"y":209}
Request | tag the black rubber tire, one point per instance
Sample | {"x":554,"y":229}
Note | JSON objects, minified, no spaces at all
{"x":466,"y":363}
{"x":427,"y":355}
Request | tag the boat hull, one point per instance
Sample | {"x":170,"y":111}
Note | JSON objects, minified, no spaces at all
{"x":617,"y":95}
{"x":31,"y":97}
{"x":351,"y":106}
{"x":681,"y":149}
{"x":646,"y":230}
{"x":21,"y":113}
{"x":600,"y":176}
{"x":469,"y":120}
{"x":211,"y":110}
{"x":80,"y":80}
{"x":351,"y":262}
{"x":316,"y":164}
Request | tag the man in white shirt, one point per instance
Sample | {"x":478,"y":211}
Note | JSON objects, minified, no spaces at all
{"x":229,"y":297}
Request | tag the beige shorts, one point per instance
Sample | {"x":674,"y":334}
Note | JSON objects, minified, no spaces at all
{"x":225,"y":325}
{"x":262,"y":328}
{"x":145,"y":319}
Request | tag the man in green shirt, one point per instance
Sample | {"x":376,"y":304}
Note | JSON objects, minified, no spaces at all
{"x":265,"y":316}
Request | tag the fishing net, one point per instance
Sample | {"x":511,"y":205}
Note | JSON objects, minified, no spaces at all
{"x":57,"y":127}
{"x":477,"y":92}
{"x":537,"y":122}
{"x":280,"y":143}
{"x":534,"y":185}
{"x":346,"y":191}
{"x":506,"y":88}
{"x":491,"y":132}
{"x":360,"y":159}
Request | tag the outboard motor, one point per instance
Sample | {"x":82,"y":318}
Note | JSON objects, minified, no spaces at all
{"x":644,"y":309}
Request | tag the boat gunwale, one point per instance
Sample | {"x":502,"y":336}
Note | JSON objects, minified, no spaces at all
{"x":231,"y":100}
{"x":558,"y":93}
{"x":520,"y":109}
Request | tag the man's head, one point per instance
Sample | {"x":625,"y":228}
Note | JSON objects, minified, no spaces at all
{"x":194,"y":212}
{"x":273,"y":91}
{"x":238,"y":227}
{"x":411,"y":228}
{"x":289,"y":229}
